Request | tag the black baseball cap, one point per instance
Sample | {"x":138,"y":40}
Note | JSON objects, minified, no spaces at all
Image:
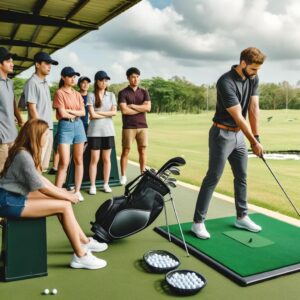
{"x":43,"y":56}
{"x":100,"y":75}
{"x":69,"y":72}
{"x":5,"y":54}
{"x":82,"y":79}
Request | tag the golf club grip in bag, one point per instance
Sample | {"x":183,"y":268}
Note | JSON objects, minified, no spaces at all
{"x":128,"y":214}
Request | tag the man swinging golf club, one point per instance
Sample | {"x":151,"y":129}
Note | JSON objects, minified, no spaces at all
{"x":237,"y":95}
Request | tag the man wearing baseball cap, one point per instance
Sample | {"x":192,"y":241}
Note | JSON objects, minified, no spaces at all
{"x":84,"y":84}
{"x":8,"y":107}
{"x":38,"y":99}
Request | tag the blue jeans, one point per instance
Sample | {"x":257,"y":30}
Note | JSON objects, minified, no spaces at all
{"x":11,"y":204}
{"x":71,"y":132}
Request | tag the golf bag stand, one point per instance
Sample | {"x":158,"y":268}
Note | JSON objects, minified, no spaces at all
{"x":178,"y":222}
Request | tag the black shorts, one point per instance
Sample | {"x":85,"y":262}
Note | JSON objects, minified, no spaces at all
{"x":101,"y":143}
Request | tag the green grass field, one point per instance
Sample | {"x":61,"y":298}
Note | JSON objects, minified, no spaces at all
{"x":187,"y":136}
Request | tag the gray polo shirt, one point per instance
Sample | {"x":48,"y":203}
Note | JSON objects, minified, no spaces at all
{"x":37,"y":91}
{"x":8,"y":130}
{"x":22,"y":177}
{"x":102,"y":127}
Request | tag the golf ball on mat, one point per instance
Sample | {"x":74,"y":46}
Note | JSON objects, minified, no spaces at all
{"x":46,"y":292}
{"x":54,"y":291}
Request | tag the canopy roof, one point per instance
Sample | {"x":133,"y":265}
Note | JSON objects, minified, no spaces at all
{"x":30,"y":26}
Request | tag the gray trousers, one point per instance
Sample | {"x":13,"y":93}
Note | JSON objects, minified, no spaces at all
{"x":223,"y":145}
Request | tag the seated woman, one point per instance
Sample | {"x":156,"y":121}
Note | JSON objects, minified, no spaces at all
{"x":25,"y":193}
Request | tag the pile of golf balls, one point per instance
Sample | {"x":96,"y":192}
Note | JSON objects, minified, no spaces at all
{"x":161,"y":261}
{"x":187,"y":281}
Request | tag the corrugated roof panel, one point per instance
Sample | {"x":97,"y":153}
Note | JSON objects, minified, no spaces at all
{"x":25,"y":32}
{"x":65,"y":35}
{"x":5,"y":29}
{"x":19,"y":5}
{"x":52,"y":8}
{"x":95,"y":11}
{"x":45,"y":33}
{"x":30,"y":25}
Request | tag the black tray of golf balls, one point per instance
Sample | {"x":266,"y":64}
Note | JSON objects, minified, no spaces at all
{"x":185,"y":282}
{"x":161,"y":261}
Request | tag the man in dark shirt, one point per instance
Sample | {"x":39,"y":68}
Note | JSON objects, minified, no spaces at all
{"x":237,"y":95}
{"x":134,"y":103}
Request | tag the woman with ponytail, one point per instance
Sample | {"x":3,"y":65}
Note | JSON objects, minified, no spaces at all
{"x":101,"y":132}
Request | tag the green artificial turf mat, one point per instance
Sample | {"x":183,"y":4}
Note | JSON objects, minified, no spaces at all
{"x":246,"y":261}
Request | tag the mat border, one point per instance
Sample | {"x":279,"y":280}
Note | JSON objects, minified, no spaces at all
{"x":240,"y":280}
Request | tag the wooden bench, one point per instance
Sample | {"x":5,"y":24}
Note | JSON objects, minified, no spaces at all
{"x":24,"y":248}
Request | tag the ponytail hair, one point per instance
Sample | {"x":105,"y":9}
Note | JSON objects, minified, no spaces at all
{"x":61,"y":83}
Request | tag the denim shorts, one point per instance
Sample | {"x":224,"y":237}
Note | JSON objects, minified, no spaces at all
{"x":71,"y":132}
{"x":11,"y":204}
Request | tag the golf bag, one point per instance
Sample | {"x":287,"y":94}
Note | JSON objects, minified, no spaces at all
{"x":128,"y":214}
{"x":140,"y":205}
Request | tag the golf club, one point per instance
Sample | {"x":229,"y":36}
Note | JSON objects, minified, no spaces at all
{"x":174,"y":170}
{"x":281,"y":186}
{"x":171,"y":184}
{"x":172,"y":179}
{"x":176,"y":161}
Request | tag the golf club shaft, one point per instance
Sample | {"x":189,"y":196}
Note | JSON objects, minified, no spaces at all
{"x":281,"y":187}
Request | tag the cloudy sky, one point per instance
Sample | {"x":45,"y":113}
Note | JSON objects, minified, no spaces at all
{"x":195,"y":39}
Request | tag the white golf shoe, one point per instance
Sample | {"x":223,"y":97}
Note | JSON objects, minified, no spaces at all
{"x":248,"y":224}
{"x":93,"y":190}
{"x":123,"y":180}
{"x":88,"y":261}
{"x":95,"y":246}
{"x":200,"y":231}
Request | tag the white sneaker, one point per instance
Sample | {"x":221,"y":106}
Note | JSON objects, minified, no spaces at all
{"x":106,"y":188}
{"x":94,"y":246}
{"x":123,"y":180}
{"x":93,"y":190}
{"x":200,"y":231}
{"x":88,"y":261}
{"x":248,"y":224}
{"x":80,"y":197}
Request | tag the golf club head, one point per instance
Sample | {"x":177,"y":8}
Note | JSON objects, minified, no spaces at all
{"x":163,"y":177}
{"x":153,"y":171}
{"x":173,"y":162}
{"x":174,"y":170}
{"x":172,"y":179}
{"x":171,"y":183}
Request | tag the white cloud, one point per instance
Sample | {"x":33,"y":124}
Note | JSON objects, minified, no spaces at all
{"x":198,"y":39}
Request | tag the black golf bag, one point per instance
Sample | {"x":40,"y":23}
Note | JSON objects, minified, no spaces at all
{"x":125,"y":215}
{"x":141,"y":204}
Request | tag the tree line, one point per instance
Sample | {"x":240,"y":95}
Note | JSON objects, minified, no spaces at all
{"x":177,"y":95}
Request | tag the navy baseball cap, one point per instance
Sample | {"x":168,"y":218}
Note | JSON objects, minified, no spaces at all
{"x":82,"y":79}
{"x":100,"y":75}
{"x":5,"y":54}
{"x":43,"y":56}
{"x":69,"y":72}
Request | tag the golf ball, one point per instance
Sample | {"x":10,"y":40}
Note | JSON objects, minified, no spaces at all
{"x":161,"y":261}
{"x":54,"y":291}
{"x":46,"y":292}
{"x":186,"y":281}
